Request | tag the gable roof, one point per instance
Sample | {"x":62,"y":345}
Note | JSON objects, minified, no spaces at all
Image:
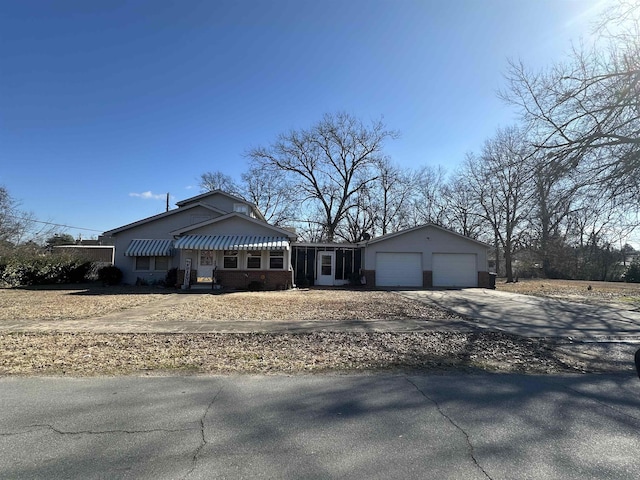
{"x":426,"y":225}
{"x":235,"y":198}
{"x":222,"y":218}
{"x":162,"y":215}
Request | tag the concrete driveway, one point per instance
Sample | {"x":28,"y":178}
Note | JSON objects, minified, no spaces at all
{"x":534,"y":316}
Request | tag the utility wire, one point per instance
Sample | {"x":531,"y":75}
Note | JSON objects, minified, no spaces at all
{"x":54,"y":224}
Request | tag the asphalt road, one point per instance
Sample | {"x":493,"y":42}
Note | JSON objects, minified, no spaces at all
{"x":410,"y":427}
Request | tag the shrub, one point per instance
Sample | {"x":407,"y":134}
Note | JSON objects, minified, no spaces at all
{"x":632,"y":275}
{"x":171,"y":280}
{"x":255,"y":286}
{"x":110,"y":275}
{"x":41,"y":270}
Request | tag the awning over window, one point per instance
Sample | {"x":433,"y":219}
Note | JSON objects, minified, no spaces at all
{"x":231,"y":242}
{"x":150,"y":248}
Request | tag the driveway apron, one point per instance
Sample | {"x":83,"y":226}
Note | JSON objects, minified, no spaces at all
{"x":534,"y":316}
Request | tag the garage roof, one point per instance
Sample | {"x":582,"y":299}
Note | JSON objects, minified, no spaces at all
{"x":430,"y":225}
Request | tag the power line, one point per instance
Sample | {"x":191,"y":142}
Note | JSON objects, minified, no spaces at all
{"x":54,"y":224}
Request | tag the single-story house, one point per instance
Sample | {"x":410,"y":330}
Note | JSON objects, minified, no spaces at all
{"x":219,"y":239}
{"x":213,"y":238}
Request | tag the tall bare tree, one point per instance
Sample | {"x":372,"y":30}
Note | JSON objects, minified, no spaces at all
{"x":217,"y":180}
{"x":328,"y":164}
{"x":271,"y":192}
{"x":500,"y":181}
{"x":587,"y":108}
{"x":462,"y":212}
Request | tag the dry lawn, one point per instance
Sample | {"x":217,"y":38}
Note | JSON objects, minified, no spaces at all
{"x":623,"y":295}
{"x":115,"y":354}
{"x":291,"y":305}
{"x":302,"y":305}
{"x":69,"y":303}
{"x":81,"y":354}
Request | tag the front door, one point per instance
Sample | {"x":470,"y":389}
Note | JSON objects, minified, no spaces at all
{"x":206,"y":261}
{"x":326,"y":268}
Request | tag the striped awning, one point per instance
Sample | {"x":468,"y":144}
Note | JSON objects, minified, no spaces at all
{"x":231,"y":242}
{"x":150,"y":248}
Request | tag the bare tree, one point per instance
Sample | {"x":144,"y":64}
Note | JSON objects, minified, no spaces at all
{"x":500,"y":181}
{"x":18,"y":227}
{"x":556,"y":193}
{"x":271,"y":192}
{"x":328,"y":164}
{"x":11,"y":224}
{"x":427,"y":201}
{"x":462,"y":212}
{"x":587,"y":109}
{"x":217,"y":180}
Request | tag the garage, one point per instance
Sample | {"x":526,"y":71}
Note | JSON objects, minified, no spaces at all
{"x":454,"y":270}
{"x":398,"y":269}
{"x":425,"y":256}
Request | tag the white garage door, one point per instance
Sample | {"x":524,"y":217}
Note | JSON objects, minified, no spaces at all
{"x":454,"y":270}
{"x":398,"y":269}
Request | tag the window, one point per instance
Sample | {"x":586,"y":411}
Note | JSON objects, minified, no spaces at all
{"x":276,"y":259}
{"x":143,"y":263}
{"x":230,"y":259}
{"x":325,"y":267}
{"x":162,"y":263}
{"x":254,"y":259}
{"x":241,"y":208}
{"x":206,"y":257}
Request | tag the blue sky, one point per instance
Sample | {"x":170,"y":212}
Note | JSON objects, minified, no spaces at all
{"x":105,"y":106}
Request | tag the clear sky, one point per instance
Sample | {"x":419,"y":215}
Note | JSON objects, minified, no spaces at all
{"x":105,"y":106}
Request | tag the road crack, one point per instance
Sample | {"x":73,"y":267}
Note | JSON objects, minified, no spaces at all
{"x":455,"y":425}
{"x":203,"y":438}
{"x":92,"y":432}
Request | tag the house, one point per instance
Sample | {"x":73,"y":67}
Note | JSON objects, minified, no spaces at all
{"x":425,"y":256}
{"x":210,"y":238}
{"x":220,"y":239}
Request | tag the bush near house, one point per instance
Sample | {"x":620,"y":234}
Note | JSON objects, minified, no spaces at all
{"x":110,"y":275}
{"x":42,"y":270}
{"x":632,"y":275}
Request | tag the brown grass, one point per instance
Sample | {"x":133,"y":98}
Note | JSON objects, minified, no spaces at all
{"x":115,"y":354}
{"x":301,"y":305}
{"x":626,"y":295}
{"x":68,"y":303}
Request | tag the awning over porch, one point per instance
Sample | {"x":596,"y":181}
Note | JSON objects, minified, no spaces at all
{"x":231,"y":242}
{"x":150,"y":248}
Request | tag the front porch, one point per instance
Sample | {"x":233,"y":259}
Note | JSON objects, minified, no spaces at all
{"x":234,"y":262}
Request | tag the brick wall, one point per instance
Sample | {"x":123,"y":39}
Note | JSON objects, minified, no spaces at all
{"x":427,"y":279}
{"x":370,"y":277}
{"x":240,"y":279}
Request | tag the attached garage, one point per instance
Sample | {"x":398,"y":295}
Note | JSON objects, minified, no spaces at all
{"x":425,"y":256}
{"x":454,"y":270}
{"x":398,"y":269}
